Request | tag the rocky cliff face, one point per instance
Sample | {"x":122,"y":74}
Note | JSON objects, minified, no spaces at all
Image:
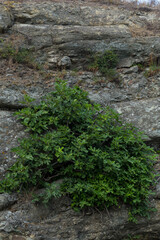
{"x":64,"y":37}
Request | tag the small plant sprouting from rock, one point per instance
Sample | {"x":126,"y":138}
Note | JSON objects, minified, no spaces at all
{"x":76,"y":148}
{"x":153,"y":66}
{"x":153,"y":70}
{"x":18,"y":54}
{"x":136,"y":237}
{"x":105,"y":63}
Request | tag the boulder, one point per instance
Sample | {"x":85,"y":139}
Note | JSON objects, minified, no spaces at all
{"x":144,"y":114}
{"x":12,"y":98}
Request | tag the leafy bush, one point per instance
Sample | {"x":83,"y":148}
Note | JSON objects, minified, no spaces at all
{"x":105,"y":63}
{"x":98,"y":160}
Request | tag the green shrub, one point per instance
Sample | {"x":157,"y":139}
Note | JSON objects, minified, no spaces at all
{"x":98,"y":160}
{"x":105,"y":63}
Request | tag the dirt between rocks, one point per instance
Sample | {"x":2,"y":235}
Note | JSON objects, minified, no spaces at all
{"x":21,"y":75}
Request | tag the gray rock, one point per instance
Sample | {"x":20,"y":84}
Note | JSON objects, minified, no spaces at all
{"x":79,"y":31}
{"x":51,"y":222}
{"x":126,"y":62}
{"x":65,"y":62}
{"x":68,"y":14}
{"x":5,"y":221}
{"x":6,"y":200}
{"x":10,"y":131}
{"x":144,"y":114}
{"x":12,"y":97}
{"x":133,"y":69}
{"x":6,"y":18}
{"x":107,"y":96}
{"x":53,"y":60}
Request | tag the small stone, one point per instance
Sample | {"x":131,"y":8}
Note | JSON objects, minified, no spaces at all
{"x":125,"y":62}
{"x":135,"y":86}
{"x":65,"y":62}
{"x":133,"y":69}
{"x":53,"y":59}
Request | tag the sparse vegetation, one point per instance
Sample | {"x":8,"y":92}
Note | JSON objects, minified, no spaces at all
{"x":152,"y":70}
{"x":18,"y":54}
{"x":105,"y":63}
{"x":141,"y":67}
{"x":153,"y":66}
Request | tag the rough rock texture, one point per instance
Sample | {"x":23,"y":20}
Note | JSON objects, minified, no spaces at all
{"x":58,"y":221}
{"x":6,"y":200}
{"x":10,"y":131}
{"x":5,"y":18}
{"x":144,"y":114}
{"x":63,"y":37}
{"x":78,"y":30}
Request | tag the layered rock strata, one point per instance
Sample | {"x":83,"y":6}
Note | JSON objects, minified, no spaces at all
{"x":65,"y":36}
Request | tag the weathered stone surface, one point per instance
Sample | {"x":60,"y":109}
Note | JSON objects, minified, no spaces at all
{"x":69,"y":14}
{"x":6,"y":18}
{"x":7,"y":223}
{"x":12,"y":97}
{"x":65,"y":62}
{"x":130,"y":86}
{"x":6,"y":200}
{"x":133,"y":69}
{"x":63,"y":34}
{"x":4,"y":236}
{"x":82,"y":41}
{"x":144,"y":114}
{"x":80,"y":13}
{"x":59,"y":222}
{"x":78,"y":30}
{"x":75,"y":41}
{"x":10,"y":131}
